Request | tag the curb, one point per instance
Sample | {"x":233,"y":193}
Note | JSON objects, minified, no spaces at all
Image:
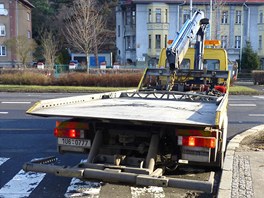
{"x":225,"y":186}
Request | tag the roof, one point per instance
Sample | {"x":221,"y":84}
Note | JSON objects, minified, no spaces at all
{"x":27,"y":3}
{"x":199,"y":1}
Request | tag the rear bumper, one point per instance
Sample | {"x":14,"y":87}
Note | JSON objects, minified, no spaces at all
{"x":117,"y":176}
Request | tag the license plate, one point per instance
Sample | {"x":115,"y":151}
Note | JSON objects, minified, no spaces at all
{"x":74,"y":142}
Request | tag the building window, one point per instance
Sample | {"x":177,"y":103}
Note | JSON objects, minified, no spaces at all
{"x":29,"y":34}
{"x":237,"y":42}
{"x":28,"y":16}
{"x":3,"y":11}
{"x":128,"y":17}
{"x":128,"y":43}
{"x":149,"y":41}
{"x":224,"y":17}
{"x":2,"y":50}
{"x":133,"y":17}
{"x":260,"y":42}
{"x":166,"y":15}
{"x":158,"y":15}
{"x":224,"y":41}
{"x":149,"y":16}
{"x":118,"y":30}
{"x":2,"y":30}
{"x":134,"y":42}
{"x":238,"y":17}
{"x":186,"y":15}
{"x":261,"y":17}
{"x":158,"y":41}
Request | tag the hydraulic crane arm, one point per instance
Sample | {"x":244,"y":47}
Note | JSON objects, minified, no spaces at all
{"x":192,"y":27}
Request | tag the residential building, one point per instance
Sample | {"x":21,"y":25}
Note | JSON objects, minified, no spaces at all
{"x":15,"y":20}
{"x":145,"y":26}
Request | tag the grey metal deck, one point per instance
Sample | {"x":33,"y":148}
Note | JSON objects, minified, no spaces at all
{"x":130,"y":109}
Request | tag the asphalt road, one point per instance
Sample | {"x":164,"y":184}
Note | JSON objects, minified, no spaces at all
{"x":24,"y":137}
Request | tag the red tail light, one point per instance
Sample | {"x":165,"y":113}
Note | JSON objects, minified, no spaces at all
{"x":209,"y":142}
{"x":70,"y":129}
{"x":69,"y":133}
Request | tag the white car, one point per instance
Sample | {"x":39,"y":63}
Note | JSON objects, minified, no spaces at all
{"x":73,"y":65}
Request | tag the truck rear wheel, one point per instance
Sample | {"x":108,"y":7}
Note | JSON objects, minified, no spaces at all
{"x":221,"y":153}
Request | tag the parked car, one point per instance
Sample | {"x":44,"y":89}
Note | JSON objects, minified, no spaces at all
{"x":40,"y":65}
{"x":73,"y":64}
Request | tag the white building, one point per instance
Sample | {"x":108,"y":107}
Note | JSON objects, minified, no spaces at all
{"x":143,"y":27}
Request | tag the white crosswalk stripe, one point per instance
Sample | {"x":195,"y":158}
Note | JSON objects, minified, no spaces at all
{"x":80,"y":188}
{"x":259,"y":97}
{"x":3,"y":160}
{"x":155,"y":192}
{"x":21,"y":185}
{"x":24,"y":183}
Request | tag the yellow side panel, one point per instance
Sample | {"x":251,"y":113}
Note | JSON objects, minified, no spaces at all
{"x":209,"y":54}
{"x":162,"y":58}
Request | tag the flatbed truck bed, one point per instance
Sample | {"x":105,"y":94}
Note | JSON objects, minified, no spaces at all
{"x":134,"y":106}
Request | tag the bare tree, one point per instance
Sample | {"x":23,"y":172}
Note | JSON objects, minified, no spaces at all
{"x":99,"y":36}
{"x":82,"y":26}
{"x":23,"y":47}
{"x":50,"y":47}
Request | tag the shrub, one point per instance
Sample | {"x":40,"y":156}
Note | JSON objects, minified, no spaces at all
{"x":258,"y":77}
{"x":100,"y":80}
{"x":26,"y":78}
{"x":113,"y":79}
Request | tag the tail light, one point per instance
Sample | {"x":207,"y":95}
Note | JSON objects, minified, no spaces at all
{"x":69,"y":133}
{"x":70,"y":129}
{"x":194,"y":141}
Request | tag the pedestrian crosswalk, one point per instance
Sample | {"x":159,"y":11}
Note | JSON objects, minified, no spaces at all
{"x":22,"y":184}
{"x":80,"y":188}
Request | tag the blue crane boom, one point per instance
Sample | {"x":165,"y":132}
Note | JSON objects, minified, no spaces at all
{"x":192,"y":27}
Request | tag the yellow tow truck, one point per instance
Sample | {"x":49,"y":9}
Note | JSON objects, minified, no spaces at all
{"x":175,"y":117}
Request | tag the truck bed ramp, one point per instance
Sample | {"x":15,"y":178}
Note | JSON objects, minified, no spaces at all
{"x":132,"y":106}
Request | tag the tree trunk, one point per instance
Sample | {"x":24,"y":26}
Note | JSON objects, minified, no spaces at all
{"x":87,"y":61}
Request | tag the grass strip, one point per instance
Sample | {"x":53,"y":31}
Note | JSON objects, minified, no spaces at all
{"x":234,"y":90}
{"x":60,"y":89}
{"x":243,"y":90}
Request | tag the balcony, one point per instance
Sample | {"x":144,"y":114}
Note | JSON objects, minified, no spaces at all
{"x":158,"y":26}
{"x":130,"y":30}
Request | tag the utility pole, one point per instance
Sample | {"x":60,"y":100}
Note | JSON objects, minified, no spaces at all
{"x":191,"y":9}
{"x":210,"y":19}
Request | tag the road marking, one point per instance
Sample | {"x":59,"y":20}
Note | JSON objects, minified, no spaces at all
{"x":3,"y":160}
{"x":256,"y":115}
{"x":21,"y":185}
{"x":261,"y":97}
{"x":156,"y":192}
{"x":3,"y":112}
{"x":80,"y":188}
{"x":242,"y":99}
{"x":242,"y":105}
{"x":16,"y":102}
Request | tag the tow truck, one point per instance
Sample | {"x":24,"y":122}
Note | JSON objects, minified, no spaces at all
{"x":175,"y":117}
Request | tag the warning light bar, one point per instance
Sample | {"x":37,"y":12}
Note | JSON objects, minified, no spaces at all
{"x":194,"y":141}
{"x":212,"y":42}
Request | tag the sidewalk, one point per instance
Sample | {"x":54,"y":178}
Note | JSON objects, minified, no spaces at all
{"x":243,"y":172}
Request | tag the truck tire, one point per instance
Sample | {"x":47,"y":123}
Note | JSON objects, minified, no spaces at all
{"x":220,"y":160}
{"x":221,"y":153}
